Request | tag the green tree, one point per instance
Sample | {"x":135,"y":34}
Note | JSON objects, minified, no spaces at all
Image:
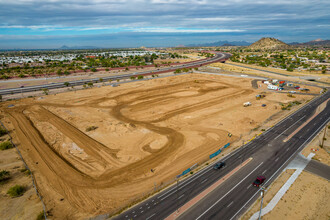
{"x":66,"y":84}
{"x":90,"y":84}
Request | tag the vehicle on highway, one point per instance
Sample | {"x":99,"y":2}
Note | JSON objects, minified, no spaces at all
{"x":292,"y":91}
{"x":219,"y":165}
{"x":259,"y":181}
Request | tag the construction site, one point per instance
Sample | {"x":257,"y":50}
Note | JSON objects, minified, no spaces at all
{"x":98,"y":150}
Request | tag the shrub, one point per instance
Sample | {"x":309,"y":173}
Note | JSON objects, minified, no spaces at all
{"x":4,"y":175}
{"x":41,"y":215}
{"x":94,"y":70}
{"x":3,"y":131}
{"x":26,"y":171}
{"x":16,"y":191}
{"x":140,"y":77}
{"x":91,"y":128}
{"x":6,"y":145}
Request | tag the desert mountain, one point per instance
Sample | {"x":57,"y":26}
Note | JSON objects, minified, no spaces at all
{"x":317,"y":42}
{"x":221,"y":43}
{"x":268,"y":43}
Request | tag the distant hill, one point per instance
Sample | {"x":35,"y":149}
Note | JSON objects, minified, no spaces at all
{"x":64,"y":47}
{"x":221,"y":43}
{"x":317,"y":42}
{"x":268,"y":43}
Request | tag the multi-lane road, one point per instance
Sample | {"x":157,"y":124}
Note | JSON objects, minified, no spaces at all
{"x":270,"y":155}
{"x":219,"y":57}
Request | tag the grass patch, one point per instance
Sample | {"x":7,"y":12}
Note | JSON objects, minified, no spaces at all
{"x":16,"y":191}
{"x":6,"y":145}
{"x":4,"y":175}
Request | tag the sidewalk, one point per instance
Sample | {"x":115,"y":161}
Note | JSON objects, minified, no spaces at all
{"x":299,"y":163}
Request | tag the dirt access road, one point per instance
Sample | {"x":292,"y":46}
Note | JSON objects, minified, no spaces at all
{"x":166,"y":125}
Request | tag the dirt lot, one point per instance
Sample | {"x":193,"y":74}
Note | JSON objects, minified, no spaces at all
{"x":292,"y":76}
{"x":27,"y":206}
{"x":165,"y":124}
{"x":321,"y":153}
{"x":307,"y":198}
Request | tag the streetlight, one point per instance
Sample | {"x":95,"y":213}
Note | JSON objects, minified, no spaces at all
{"x":262,"y":199}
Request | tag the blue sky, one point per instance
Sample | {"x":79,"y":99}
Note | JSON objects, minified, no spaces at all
{"x":134,"y":23}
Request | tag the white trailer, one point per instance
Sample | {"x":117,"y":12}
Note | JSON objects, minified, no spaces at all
{"x":272,"y":87}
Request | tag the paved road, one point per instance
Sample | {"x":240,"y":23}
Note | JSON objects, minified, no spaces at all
{"x":270,"y":156}
{"x":319,"y":169}
{"x":219,"y":57}
{"x":272,"y":72}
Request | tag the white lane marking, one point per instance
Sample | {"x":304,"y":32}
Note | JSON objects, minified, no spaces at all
{"x":229,"y":191}
{"x":149,"y":207}
{"x":181,"y":196}
{"x":249,"y":186}
{"x":202,"y":172}
{"x":264,"y":172}
{"x":134,"y":216}
{"x":133,"y":212}
{"x":230,"y":204}
{"x":152,"y":200}
{"x":155,"y":203}
{"x":308,"y":129}
{"x":142,"y":211}
{"x":289,"y":127}
{"x":204,"y":180}
{"x":140,"y":207}
{"x":150,"y":216}
{"x":307,"y":141}
{"x":126,"y":216}
{"x":277,"y":159}
{"x":287,"y":149}
{"x":147,"y":204}
{"x":314,"y":123}
{"x":300,"y":136}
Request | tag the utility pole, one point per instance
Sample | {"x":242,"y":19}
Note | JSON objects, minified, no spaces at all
{"x":262,"y":199}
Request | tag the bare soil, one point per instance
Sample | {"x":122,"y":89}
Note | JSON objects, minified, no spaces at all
{"x":307,"y":198}
{"x":27,"y":206}
{"x":165,"y":124}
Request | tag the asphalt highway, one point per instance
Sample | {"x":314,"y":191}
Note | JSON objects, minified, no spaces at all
{"x":219,"y":57}
{"x":233,"y":197}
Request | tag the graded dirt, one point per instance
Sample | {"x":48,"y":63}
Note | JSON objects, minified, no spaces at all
{"x":166,"y":125}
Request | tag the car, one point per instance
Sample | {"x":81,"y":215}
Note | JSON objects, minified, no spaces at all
{"x":292,"y":91}
{"x":219,"y":165}
{"x":259,"y":181}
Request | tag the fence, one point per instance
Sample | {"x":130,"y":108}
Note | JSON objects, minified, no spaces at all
{"x":26,"y":166}
{"x":219,"y":151}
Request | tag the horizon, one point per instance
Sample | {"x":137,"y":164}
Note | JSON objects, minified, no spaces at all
{"x":160,"y":23}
